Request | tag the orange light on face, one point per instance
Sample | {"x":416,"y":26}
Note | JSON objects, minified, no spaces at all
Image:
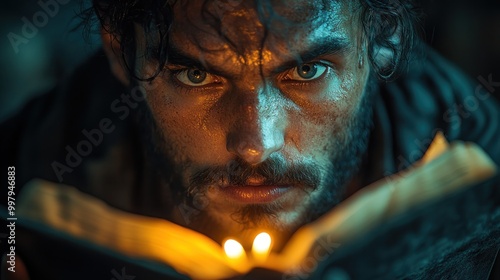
{"x":261,"y":247}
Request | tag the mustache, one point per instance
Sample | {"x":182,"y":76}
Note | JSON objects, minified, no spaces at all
{"x":274,"y":171}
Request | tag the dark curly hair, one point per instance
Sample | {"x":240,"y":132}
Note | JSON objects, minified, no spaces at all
{"x":388,"y":24}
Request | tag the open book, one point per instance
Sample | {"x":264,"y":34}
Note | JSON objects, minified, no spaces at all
{"x":443,"y":170}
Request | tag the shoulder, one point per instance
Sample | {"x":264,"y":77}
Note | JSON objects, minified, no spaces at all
{"x":436,"y":96}
{"x":39,"y":134}
{"x":455,"y":236}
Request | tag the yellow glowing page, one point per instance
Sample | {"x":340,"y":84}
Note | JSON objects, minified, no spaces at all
{"x":191,"y":253}
{"x":83,"y":216}
{"x":445,"y":169}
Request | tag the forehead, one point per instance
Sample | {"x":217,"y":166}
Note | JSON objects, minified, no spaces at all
{"x":243,"y":27}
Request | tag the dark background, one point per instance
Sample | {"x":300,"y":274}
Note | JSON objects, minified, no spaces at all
{"x":467,"y":32}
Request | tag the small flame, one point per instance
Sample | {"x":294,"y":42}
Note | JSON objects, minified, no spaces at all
{"x":233,"y":249}
{"x":261,"y":246}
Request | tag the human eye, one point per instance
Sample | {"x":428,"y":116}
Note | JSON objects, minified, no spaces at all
{"x":195,"y":77}
{"x":307,"y":72}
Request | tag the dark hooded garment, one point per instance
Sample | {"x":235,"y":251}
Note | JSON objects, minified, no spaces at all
{"x":454,"y":238}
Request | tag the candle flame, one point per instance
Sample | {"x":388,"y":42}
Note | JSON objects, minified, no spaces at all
{"x":261,"y":244}
{"x":233,"y":249}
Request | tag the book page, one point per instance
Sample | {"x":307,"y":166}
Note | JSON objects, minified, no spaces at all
{"x":191,"y":253}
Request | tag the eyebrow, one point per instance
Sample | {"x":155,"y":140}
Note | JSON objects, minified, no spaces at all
{"x":328,"y":46}
{"x":177,"y":57}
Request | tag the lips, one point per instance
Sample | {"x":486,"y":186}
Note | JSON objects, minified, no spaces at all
{"x":253,"y":194}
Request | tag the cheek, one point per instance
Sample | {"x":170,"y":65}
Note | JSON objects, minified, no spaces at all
{"x":322,"y":125}
{"x":183,"y":124}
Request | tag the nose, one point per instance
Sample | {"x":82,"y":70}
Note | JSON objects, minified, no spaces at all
{"x":258,"y":128}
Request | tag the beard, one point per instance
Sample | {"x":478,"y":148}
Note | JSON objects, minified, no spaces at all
{"x":189,"y":194}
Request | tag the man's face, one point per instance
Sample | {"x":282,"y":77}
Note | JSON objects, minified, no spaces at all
{"x":262,"y":113}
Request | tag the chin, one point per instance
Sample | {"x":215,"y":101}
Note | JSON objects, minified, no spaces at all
{"x":247,"y":222}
